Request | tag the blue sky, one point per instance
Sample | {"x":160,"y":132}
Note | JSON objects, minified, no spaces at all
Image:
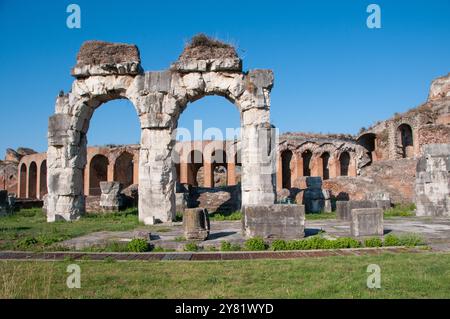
{"x":332,"y":73}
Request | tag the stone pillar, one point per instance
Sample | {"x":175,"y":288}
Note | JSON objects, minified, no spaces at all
{"x":366,"y":222}
{"x":38,"y":181}
{"x":432,"y":189}
{"x":258,"y":161}
{"x":110,"y":171}
{"x":86,"y":181}
{"x":110,"y":196}
{"x":313,"y":197}
{"x":196,"y":223}
{"x":156,"y":176}
{"x":66,"y":158}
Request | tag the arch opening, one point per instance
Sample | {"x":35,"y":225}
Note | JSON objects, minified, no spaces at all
{"x":124,"y":169}
{"x":306,"y":157}
{"x":405,"y":140}
{"x":43,"y":179}
{"x":98,"y":172}
{"x":286,"y":170}
{"x":23,"y":181}
{"x":344,"y":163}
{"x":325,"y":158}
{"x":368,"y":141}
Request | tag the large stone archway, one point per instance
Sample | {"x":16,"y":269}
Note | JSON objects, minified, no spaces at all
{"x":107,"y":71}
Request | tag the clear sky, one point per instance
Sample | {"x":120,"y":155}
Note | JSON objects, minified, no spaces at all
{"x":332,"y":73}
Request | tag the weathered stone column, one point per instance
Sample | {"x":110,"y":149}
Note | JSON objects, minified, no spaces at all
{"x":156,"y":176}
{"x":258,"y":163}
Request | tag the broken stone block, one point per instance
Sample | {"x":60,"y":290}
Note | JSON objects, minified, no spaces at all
{"x":196,"y":224}
{"x":367,"y":222}
{"x":58,"y":129}
{"x":104,"y":58}
{"x":274,"y":221}
{"x":344,"y":208}
{"x":110,"y":198}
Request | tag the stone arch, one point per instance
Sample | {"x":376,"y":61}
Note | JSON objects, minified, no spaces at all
{"x":23,"y":181}
{"x":405,"y":140}
{"x":286,"y":169}
{"x":159,"y":98}
{"x":306,"y":158}
{"x":368,"y":141}
{"x":344,"y":163}
{"x":43,"y":179}
{"x":124,"y":169}
{"x":325,"y":161}
{"x":32,"y":180}
{"x":98,"y":172}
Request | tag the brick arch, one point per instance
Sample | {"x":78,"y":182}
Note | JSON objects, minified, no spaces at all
{"x":32,"y":180}
{"x":124,"y":169}
{"x":98,"y":172}
{"x":43,"y":179}
{"x":405,"y":140}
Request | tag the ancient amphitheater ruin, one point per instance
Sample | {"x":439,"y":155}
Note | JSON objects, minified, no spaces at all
{"x":403,"y":159}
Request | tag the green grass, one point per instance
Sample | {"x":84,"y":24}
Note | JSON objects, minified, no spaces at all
{"x":421,"y":275}
{"x":28,"y":229}
{"x":320,"y":216}
{"x":218,"y":216}
{"x":401,"y":210}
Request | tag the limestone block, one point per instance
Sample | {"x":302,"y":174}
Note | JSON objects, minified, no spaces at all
{"x":110,"y":198}
{"x":65,"y":181}
{"x":205,"y":65}
{"x":65,"y":207}
{"x":196,"y":224}
{"x":158,"y":81}
{"x":274,"y":221}
{"x":58,"y":129}
{"x":367,"y":222}
{"x":344,"y":208}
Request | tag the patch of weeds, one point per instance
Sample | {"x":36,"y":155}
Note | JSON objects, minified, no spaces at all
{"x":179,"y":217}
{"x":191,"y":247}
{"x":109,"y":260}
{"x":180,"y":239}
{"x":227,"y":246}
{"x":279,"y":244}
{"x":27,"y":243}
{"x":138,"y":245}
{"x":219,"y":216}
{"x":373,"y":242}
{"x":255,"y":244}
{"x":401,"y":210}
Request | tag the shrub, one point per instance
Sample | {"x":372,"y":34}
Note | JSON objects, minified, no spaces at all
{"x":255,"y":244}
{"x":227,"y":246}
{"x":391,"y":240}
{"x":138,"y":245}
{"x":402,"y":210}
{"x":191,"y":247}
{"x":346,"y":242}
{"x":373,"y":242}
{"x":279,"y":244}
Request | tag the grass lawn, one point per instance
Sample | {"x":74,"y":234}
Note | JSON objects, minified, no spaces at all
{"x":28,"y":229}
{"x":423,"y":275}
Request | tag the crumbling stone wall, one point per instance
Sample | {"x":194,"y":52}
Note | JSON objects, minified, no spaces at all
{"x":159,"y":98}
{"x":432,"y":188}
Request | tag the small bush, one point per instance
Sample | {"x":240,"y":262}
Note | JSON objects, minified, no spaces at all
{"x":391,"y":240}
{"x":279,"y":244}
{"x":373,"y":242}
{"x":346,"y":242}
{"x":255,"y":244}
{"x":191,"y":247}
{"x":401,"y":210}
{"x":138,"y":245}
{"x":227,"y":246}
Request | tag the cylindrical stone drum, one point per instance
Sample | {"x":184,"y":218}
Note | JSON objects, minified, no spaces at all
{"x":196,"y":223}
